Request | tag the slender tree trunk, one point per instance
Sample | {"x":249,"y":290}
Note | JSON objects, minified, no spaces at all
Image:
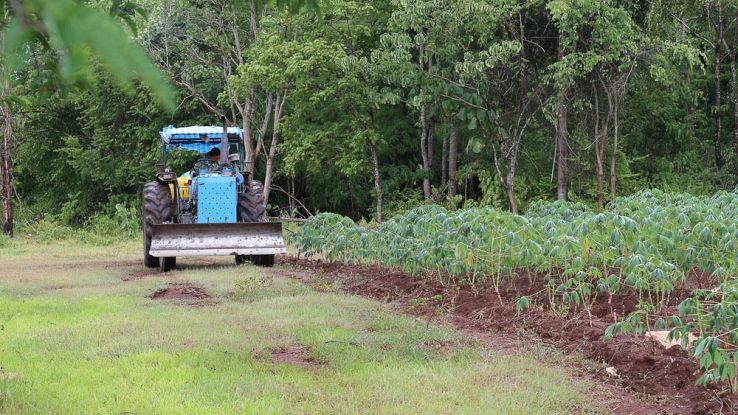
{"x":598,"y":165}
{"x":453,"y":149}
{"x":248,"y":136}
{"x":377,"y":181}
{"x":6,"y":185}
{"x":601,"y":132}
{"x":685,"y":73}
{"x":562,"y":136}
{"x":291,"y":194}
{"x":444,"y":161}
{"x":718,"y":98}
{"x":431,"y":140}
{"x":562,"y":147}
{"x":510,"y":181}
{"x":278,"y":109}
{"x":614,"y":154}
{"x":424,"y":134}
{"x":509,"y":154}
{"x":260,"y":146}
{"x":425,"y":60}
{"x":734,"y":86}
{"x":252,"y":22}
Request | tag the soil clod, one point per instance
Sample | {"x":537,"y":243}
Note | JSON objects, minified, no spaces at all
{"x":294,"y":355}
{"x":184,"y":292}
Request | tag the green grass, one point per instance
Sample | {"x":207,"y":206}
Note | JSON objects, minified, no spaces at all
{"x":77,"y":339}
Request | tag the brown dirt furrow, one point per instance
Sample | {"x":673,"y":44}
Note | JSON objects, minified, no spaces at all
{"x":666,"y":377}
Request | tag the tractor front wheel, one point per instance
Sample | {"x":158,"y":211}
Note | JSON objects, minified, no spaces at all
{"x":263,"y":260}
{"x":158,"y":207}
{"x":167,"y":264}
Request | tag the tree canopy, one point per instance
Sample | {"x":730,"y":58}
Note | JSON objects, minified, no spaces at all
{"x":368,"y":108}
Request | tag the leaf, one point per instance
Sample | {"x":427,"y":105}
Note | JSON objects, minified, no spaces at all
{"x":522,"y":304}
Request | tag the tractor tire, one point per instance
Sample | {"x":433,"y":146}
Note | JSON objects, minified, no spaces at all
{"x":158,"y":207}
{"x":252,"y":208}
{"x":251,"y":203}
{"x":263,"y":260}
{"x":167,"y":264}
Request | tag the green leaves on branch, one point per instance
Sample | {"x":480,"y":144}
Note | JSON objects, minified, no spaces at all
{"x":80,"y":36}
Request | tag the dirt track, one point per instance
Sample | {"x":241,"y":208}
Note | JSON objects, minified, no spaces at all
{"x":650,"y":378}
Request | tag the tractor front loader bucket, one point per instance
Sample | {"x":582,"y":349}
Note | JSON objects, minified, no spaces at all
{"x":176,"y":240}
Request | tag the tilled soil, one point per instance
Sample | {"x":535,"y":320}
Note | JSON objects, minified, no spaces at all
{"x":665,"y":376}
{"x":183,"y":292}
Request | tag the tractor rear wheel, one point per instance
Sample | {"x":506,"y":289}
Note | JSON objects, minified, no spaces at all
{"x":158,"y":207}
{"x":251,"y":203}
{"x":252,"y":208}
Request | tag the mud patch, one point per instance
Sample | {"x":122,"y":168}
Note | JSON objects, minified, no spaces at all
{"x":183,"y":292}
{"x":645,"y":368}
{"x":296,"y":355}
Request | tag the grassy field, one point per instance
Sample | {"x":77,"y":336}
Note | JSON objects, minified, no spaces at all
{"x":78,"y":334}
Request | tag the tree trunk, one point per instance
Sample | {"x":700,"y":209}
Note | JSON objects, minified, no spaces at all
{"x":718,"y":100}
{"x":444,"y":161}
{"x":425,"y":61}
{"x":424,"y":133}
{"x":601,"y":131}
{"x":509,"y":153}
{"x":685,"y":74}
{"x":377,"y":181}
{"x":614,"y":155}
{"x":278,"y":110}
{"x":248,"y":135}
{"x":291,"y":195}
{"x":598,"y":153}
{"x":734,"y":86}
{"x":453,"y":149}
{"x":562,"y":146}
{"x":431,"y":140}
{"x":562,"y":136}
{"x":510,"y":185}
{"x":6,"y":185}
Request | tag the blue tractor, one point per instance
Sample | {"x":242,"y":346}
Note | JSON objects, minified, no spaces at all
{"x":213,"y":209}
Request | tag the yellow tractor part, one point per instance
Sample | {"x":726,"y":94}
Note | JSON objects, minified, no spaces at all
{"x":184,"y":187}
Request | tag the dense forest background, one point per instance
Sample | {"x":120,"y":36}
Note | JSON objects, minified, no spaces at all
{"x":369,"y":107}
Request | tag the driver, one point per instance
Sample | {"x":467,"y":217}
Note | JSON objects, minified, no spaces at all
{"x":211,"y":161}
{"x":213,"y":154}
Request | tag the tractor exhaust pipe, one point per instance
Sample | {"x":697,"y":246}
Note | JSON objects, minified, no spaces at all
{"x":224,"y":148}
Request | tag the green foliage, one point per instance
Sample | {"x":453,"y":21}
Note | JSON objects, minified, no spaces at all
{"x":81,"y":35}
{"x":643,"y":244}
{"x":354,"y":80}
{"x":104,"y":228}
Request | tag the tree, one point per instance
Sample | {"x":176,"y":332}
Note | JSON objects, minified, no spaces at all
{"x":78,"y":35}
{"x":417,"y":55}
{"x":491,"y":67}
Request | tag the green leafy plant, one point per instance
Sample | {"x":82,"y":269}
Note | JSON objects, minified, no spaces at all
{"x":644,"y":245}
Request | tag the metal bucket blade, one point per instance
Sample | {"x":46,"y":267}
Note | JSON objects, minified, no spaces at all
{"x":175,"y":240}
